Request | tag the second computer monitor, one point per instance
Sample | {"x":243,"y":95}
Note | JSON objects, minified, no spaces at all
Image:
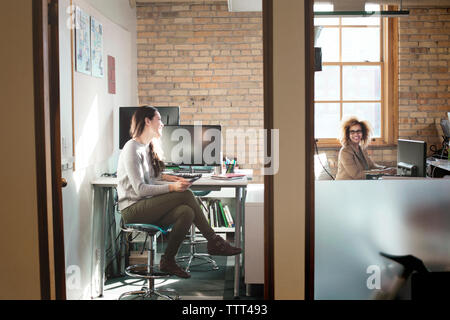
{"x":445,"y":125}
{"x":191,"y":145}
{"x":411,"y":158}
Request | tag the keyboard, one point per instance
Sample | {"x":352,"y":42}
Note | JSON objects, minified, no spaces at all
{"x":380,"y":176}
{"x":196,"y":170}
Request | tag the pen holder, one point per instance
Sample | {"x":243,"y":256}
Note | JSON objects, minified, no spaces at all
{"x":229,"y":168}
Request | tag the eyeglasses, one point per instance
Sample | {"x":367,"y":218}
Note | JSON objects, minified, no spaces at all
{"x":355,"y":131}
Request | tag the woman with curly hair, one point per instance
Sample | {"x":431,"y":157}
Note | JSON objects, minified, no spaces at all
{"x":354,"y":160}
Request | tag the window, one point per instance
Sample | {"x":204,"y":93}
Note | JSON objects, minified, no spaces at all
{"x":353,"y":80}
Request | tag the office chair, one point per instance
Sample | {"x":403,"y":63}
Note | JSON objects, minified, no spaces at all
{"x":147,"y":271}
{"x":192,"y":241}
{"x":425,"y":284}
{"x":322,"y":167}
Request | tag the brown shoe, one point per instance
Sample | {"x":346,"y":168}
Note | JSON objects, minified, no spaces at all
{"x":219,"y":247}
{"x":168,"y":265}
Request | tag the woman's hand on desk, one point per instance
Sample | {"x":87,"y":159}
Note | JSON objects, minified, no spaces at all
{"x":179,"y":186}
{"x":386,"y":171}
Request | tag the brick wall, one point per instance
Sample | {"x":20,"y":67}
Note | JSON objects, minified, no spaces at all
{"x":206,"y":60}
{"x":424,"y":77}
{"x":424,"y":82}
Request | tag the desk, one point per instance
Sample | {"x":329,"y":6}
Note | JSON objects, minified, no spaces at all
{"x":102,"y":206}
{"x":240,"y":185}
{"x":102,"y":201}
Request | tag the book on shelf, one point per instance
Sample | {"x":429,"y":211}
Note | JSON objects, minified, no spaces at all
{"x":225,"y":220}
{"x":211,"y":215}
{"x":217,"y":214}
{"x":228,"y":176}
{"x":226,"y":209}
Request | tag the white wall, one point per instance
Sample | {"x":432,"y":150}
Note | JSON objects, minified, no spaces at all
{"x":95,"y":126}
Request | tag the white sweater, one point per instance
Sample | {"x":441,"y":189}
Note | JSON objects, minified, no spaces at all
{"x":136,"y":178}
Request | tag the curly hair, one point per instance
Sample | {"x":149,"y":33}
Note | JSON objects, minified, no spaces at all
{"x":345,"y":131}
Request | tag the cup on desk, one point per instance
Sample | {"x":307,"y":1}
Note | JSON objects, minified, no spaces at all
{"x":218,"y":170}
{"x":230,"y":167}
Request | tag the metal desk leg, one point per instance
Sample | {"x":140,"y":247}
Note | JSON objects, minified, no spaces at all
{"x":98,"y":239}
{"x":112,"y":261}
{"x":102,"y":239}
{"x":93,"y":293}
{"x":242,"y":265}
{"x":237,"y":236}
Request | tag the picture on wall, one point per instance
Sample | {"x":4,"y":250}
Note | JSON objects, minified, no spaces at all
{"x":82,"y":42}
{"x":97,"y":48}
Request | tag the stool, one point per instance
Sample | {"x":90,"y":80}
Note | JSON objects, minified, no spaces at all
{"x":192,"y":242}
{"x":147,"y":271}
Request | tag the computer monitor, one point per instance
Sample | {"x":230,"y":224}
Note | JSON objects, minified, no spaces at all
{"x":411,"y":158}
{"x":445,"y":125}
{"x":169,"y":116}
{"x":192,"y":145}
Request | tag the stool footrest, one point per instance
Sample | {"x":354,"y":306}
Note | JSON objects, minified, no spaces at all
{"x":149,"y":228}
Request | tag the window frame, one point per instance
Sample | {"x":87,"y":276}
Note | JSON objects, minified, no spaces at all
{"x":389,"y":81}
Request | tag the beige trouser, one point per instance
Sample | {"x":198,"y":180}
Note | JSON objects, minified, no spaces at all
{"x":176,"y":209}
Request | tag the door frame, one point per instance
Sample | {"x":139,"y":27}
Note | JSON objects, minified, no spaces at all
{"x":48,"y":149}
{"x":309,"y":148}
{"x":269,"y":259}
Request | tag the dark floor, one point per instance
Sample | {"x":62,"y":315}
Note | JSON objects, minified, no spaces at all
{"x":204,"y":284}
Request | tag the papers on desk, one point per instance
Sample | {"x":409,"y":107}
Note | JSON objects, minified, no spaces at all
{"x":228,"y":176}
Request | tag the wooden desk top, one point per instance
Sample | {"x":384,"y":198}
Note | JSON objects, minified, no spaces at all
{"x":203,"y":181}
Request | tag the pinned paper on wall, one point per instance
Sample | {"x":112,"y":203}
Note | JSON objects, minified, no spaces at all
{"x":97,"y":48}
{"x":111,"y":75}
{"x":82,"y":42}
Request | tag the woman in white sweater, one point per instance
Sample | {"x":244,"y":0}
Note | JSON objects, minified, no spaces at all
{"x":148,"y":196}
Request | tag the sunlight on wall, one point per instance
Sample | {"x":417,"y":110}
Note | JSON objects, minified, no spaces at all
{"x":86,"y":145}
{"x":78,"y":177}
